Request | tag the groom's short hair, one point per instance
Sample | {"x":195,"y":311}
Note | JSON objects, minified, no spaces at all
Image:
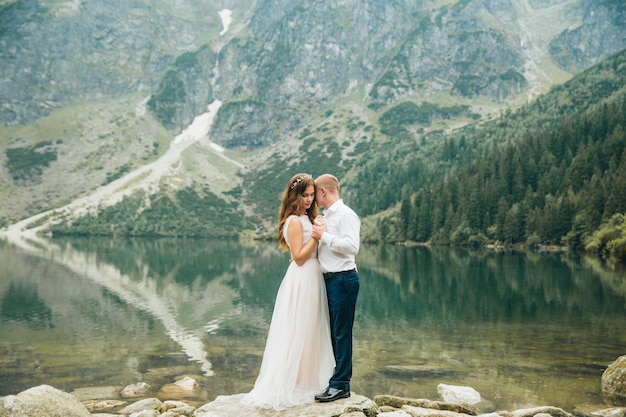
{"x":328,"y":181}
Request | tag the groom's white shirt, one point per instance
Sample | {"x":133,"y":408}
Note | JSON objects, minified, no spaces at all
{"x":340,"y":243}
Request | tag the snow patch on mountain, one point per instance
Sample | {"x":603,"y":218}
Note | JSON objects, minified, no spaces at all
{"x":227,"y":18}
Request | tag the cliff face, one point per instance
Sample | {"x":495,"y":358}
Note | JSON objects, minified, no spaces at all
{"x":294,"y":58}
{"x":57,"y":53}
{"x":277,"y":67}
{"x":601,"y":28}
{"x":286,"y":53}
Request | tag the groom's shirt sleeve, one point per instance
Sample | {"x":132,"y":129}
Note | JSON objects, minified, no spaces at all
{"x":344,"y":238}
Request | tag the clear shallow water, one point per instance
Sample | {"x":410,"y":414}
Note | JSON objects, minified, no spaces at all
{"x":524,"y":329}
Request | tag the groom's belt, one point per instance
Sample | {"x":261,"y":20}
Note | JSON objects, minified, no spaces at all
{"x":328,"y":275}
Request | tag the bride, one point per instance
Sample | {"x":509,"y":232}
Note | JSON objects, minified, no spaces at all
{"x":298,"y":359}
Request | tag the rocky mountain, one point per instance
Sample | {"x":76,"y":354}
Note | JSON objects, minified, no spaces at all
{"x":92,"y":91}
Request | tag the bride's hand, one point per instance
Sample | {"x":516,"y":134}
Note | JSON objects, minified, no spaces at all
{"x":319,"y":220}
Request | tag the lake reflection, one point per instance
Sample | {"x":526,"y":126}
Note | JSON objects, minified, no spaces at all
{"x":524,"y":329}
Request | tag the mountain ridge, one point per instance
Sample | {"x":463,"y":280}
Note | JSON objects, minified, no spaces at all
{"x":283,"y":89}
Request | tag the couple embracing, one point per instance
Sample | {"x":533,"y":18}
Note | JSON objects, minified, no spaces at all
{"x":308,"y":353}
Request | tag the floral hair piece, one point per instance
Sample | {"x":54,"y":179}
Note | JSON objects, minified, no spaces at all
{"x":298,"y":179}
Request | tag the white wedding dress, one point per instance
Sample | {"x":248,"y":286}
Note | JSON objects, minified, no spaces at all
{"x":298,"y":359}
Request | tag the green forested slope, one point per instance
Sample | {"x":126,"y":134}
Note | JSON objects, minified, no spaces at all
{"x":552,"y":171}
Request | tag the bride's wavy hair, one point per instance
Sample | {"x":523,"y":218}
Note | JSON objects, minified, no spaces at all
{"x":291,"y":202}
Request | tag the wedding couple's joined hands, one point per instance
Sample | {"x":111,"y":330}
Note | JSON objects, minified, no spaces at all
{"x":309,"y":343}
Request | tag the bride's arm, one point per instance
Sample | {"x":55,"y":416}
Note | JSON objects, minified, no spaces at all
{"x":299,"y":251}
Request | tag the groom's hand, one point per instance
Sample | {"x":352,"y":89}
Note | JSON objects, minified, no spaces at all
{"x":318,"y":231}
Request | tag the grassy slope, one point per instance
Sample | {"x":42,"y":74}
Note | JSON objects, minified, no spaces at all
{"x":93,"y":143}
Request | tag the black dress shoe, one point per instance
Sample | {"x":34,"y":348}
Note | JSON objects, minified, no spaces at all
{"x":325,"y":392}
{"x":332,"y":394}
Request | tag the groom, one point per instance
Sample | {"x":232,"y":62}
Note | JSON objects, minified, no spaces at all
{"x":338,"y":236}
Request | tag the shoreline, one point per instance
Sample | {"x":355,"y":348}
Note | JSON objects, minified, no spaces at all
{"x":134,"y":400}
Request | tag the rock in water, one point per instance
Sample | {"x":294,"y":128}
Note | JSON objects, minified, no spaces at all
{"x":42,"y":401}
{"x":614,"y":382}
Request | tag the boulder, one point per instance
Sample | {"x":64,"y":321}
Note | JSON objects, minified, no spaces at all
{"x":457,"y":394}
{"x":102,"y":405}
{"x":399,"y":402}
{"x":42,"y":401}
{"x":135,"y":390}
{"x":180,"y":389}
{"x":230,"y":406}
{"x":394,"y":413}
{"x":614,"y":382}
{"x":610,"y":412}
{"x":187,"y":383}
{"x":430,"y":412}
{"x":142,"y":405}
{"x":532,"y":412}
{"x":146,"y":413}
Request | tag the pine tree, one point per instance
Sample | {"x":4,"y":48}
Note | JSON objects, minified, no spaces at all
{"x":405,"y":213}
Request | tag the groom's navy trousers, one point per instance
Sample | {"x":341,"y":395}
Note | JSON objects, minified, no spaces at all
{"x":342,"y":289}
